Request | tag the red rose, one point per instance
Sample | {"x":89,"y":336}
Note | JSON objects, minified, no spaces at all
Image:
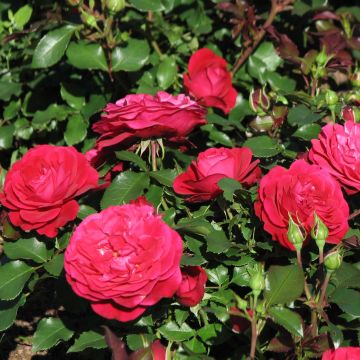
{"x":239,"y":324}
{"x":345,"y":353}
{"x":123,"y":260}
{"x":300,"y":191}
{"x":142,"y":116}
{"x":40,"y":188}
{"x":192,"y":287}
{"x":338,"y":152}
{"x":200,"y":181}
{"x":209,"y":81}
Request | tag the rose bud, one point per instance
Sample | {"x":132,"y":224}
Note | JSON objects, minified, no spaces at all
{"x":333,"y":261}
{"x":115,"y":5}
{"x":239,"y":323}
{"x":319,"y":232}
{"x":350,"y":113}
{"x":259,"y":101}
{"x":295,"y":234}
{"x":257,"y":280}
{"x":331,"y":97}
{"x":192,"y":287}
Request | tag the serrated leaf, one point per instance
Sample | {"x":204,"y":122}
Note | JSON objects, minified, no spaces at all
{"x":166,"y":73}
{"x":132,"y":57}
{"x":49,"y":332}
{"x":348,"y":300}
{"x":8,"y":311}
{"x":218,"y":275}
{"x":229,"y":186}
{"x":76,"y":130}
{"x":283,"y":284}
{"x":31,"y":249}
{"x":173,"y":332}
{"x":288,"y":319}
{"x":84,"y":211}
{"x":86,"y":56}
{"x":139,"y":341}
{"x":302,"y":115}
{"x":126,"y":186}
{"x":55,"y":265}
{"x":88,"y":339}
{"x":131,"y":156}
{"x":263,"y":146}
{"x":52,"y":46}
{"x":13,"y":277}
{"x":165,"y":177}
{"x":6,"y":136}
{"x":22,"y":16}
{"x":307,"y":132}
{"x":217,"y":242}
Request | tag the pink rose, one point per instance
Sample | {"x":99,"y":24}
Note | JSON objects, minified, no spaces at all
{"x":192,"y":287}
{"x":200,"y":181}
{"x":142,"y":116}
{"x":300,"y":191}
{"x":345,"y":353}
{"x":209,"y":81}
{"x":338,"y":152}
{"x":124,"y":259}
{"x":40,"y":189}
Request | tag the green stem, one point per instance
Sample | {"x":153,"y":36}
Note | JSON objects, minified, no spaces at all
{"x":153,"y":155}
{"x":324,"y":287}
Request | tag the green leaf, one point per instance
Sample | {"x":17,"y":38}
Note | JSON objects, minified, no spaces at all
{"x":196,"y":346}
{"x":241,"y":276}
{"x":217,"y":242}
{"x":22,"y":16}
{"x":126,"y":186}
{"x":6,"y":136}
{"x":348,"y":300}
{"x":8,"y":311}
{"x":290,"y":320}
{"x":86,"y":56}
{"x":283,"y":284}
{"x":154,"y":195}
{"x":194,"y":226}
{"x":166,"y":73}
{"x":263,"y":146}
{"x":218,"y":275}
{"x":267,"y":53}
{"x":53,"y":112}
{"x":132,"y":157}
{"x":76,"y":130}
{"x":132,"y":57}
{"x":49,"y":332}
{"x":88,"y":339}
{"x":55,"y":265}
{"x":73,"y":95}
{"x":31,"y":249}
{"x":164,"y":177}
{"x":173,"y":332}
{"x":229,"y":186}
{"x":84,"y":211}
{"x":13,"y":277}
{"x":52,"y":46}
{"x":301,"y":115}
{"x":153,"y":5}
{"x":135,"y":341}
{"x":307,"y":132}
{"x":7,"y":89}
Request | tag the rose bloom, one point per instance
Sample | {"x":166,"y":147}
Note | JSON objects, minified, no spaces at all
{"x":124,"y":259}
{"x":338,"y":152}
{"x":200,"y":181}
{"x":209,"y":81}
{"x":192,"y":287}
{"x":344,"y":353}
{"x":300,"y":191}
{"x":141,"y":116}
{"x":40,"y":188}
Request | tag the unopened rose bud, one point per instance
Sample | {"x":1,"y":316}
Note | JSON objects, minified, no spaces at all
{"x":333,"y":261}
{"x":350,"y":113}
{"x":322,"y":58}
{"x":115,"y":5}
{"x":259,"y":101}
{"x":319,"y":232}
{"x":260,"y":307}
{"x":295,"y":234}
{"x":331,"y":97}
{"x":355,"y":79}
{"x":262,"y":123}
{"x":257,"y":280}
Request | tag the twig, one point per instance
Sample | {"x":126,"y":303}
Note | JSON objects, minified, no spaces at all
{"x":276,"y":7}
{"x":324,"y":287}
{"x":354,"y":214}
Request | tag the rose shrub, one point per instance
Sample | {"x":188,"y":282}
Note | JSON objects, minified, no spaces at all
{"x":200,"y":181}
{"x":301,"y":191}
{"x":160,"y":161}
{"x":124,"y":259}
{"x":40,"y":189}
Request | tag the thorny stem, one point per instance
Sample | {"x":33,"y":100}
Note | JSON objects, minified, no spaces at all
{"x":253,"y":338}
{"x":324,"y":287}
{"x":354,"y":214}
{"x":277,"y":6}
